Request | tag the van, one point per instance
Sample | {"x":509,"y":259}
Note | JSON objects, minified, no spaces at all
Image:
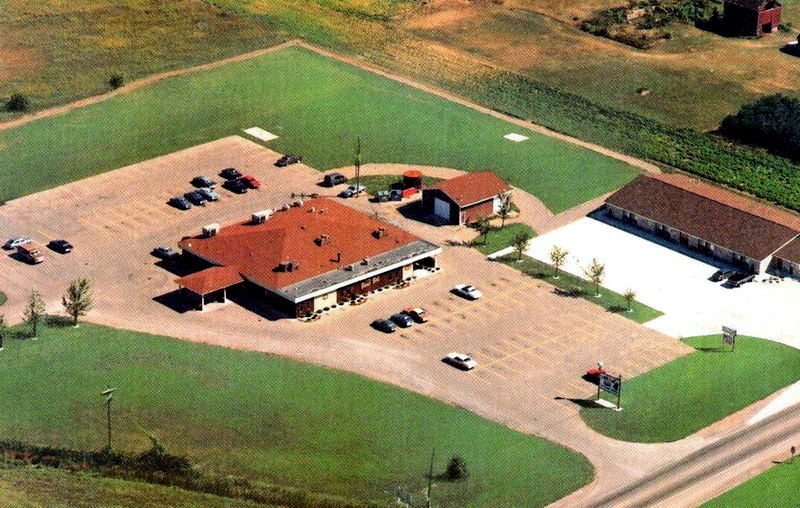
{"x":332,"y":179}
{"x":31,"y":252}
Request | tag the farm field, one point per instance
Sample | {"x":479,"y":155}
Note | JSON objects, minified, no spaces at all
{"x":29,"y":487}
{"x":777,"y":486}
{"x":318,"y":106}
{"x":697,"y":389}
{"x":268,"y":418}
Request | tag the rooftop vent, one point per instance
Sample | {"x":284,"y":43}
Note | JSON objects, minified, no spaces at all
{"x":289,"y":266}
{"x":210,"y":230}
{"x":379,"y":233}
{"x":261,"y":216}
{"x":365,"y":261}
{"x":286,"y":207}
{"x":297,"y":203}
{"x":321,"y":240}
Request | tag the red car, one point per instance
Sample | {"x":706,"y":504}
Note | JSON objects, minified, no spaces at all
{"x":596,"y":372}
{"x":250,"y":181}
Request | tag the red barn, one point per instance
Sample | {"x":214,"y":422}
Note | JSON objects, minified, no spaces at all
{"x":752,"y":17}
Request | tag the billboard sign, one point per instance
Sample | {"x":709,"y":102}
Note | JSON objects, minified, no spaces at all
{"x":610,"y":384}
{"x":728,"y":335}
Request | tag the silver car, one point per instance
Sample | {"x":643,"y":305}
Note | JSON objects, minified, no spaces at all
{"x":16,"y":241}
{"x":209,"y":193}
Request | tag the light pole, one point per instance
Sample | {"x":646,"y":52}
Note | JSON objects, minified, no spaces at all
{"x":109,"y":395}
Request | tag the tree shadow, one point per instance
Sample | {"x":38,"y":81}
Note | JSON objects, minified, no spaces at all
{"x":59,"y":321}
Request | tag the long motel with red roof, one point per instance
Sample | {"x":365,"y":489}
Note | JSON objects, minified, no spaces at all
{"x":305,"y":258}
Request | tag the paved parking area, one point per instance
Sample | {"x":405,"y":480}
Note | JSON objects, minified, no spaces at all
{"x":532,"y":345}
{"x":677,"y":283}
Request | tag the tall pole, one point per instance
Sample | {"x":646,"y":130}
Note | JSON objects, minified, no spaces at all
{"x":619,"y":392}
{"x":108,"y":414}
{"x":430,"y":478}
{"x":358,"y":165}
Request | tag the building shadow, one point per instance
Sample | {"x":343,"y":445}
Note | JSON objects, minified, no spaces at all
{"x":174,"y":300}
{"x":415,"y":212}
{"x":176,"y":267}
{"x":257,"y":306}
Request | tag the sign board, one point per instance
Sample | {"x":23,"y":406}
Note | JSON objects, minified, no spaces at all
{"x":610,"y":384}
{"x":728,"y":335}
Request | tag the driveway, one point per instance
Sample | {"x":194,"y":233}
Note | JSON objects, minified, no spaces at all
{"x":675,"y":282}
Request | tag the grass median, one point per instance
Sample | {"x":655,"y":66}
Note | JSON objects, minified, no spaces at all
{"x":690,"y":393}
{"x":268,"y":419}
{"x":777,"y":486}
{"x":571,"y":286}
{"x":500,"y":238}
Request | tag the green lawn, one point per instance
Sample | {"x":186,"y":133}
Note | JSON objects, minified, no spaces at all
{"x":499,"y":239}
{"x":377,"y":183}
{"x":575,"y":287}
{"x":690,"y":393}
{"x":318,"y":106}
{"x":23,"y":487}
{"x":777,"y":486}
{"x":268,"y":418}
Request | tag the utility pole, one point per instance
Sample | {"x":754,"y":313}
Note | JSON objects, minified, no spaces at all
{"x":430,"y":477}
{"x":109,"y":395}
{"x":358,"y":165}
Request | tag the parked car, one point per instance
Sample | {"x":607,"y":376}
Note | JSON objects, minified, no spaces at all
{"x":461,"y":361}
{"x":203,"y":181}
{"x":333,"y":179}
{"x":250,"y":181}
{"x":30,"y":252}
{"x":384,"y":325}
{"x":208,"y":193}
{"x":196,"y":198}
{"x":395,"y":195}
{"x":60,"y":246}
{"x":13,"y":243}
{"x":595,"y":373}
{"x":235,"y":186}
{"x":418,"y":314}
{"x":402,"y":320}
{"x":381,"y":196}
{"x":164,"y":252}
{"x":180,"y":202}
{"x":467,"y":291}
{"x":230,"y":174}
{"x":352,"y":190}
{"x":740,"y":278}
{"x":721,"y":274}
{"x":288,"y":159}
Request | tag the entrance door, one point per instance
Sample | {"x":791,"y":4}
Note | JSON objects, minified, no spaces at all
{"x":684,"y":239}
{"x":441,"y":208}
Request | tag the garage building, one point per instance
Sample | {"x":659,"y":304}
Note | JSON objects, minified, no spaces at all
{"x":463,"y":199}
{"x":710,"y":220}
{"x":305,"y":258}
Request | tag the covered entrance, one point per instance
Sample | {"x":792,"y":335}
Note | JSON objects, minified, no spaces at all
{"x":209,"y":285}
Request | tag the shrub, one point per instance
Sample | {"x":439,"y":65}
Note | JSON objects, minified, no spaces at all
{"x":456,"y":469}
{"x":116,"y":80}
{"x":17,"y":102}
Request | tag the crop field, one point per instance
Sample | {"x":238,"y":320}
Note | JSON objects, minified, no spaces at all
{"x":712,"y":369}
{"x":269,"y":419}
{"x":318,"y":106}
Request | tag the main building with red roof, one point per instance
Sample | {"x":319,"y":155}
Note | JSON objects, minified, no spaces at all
{"x":306,"y":258}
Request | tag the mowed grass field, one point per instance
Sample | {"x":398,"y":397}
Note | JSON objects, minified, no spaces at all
{"x":777,"y":486}
{"x":681,"y":397}
{"x":268,"y":418}
{"x":33,"y":487}
{"x":318,"y":106}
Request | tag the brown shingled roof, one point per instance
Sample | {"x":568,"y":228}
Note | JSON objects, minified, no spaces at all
{"x":709,"y":213}
{"x":790,"y":251}
{"x":211,"y":279}
{"x":473,"y":188}
{"x":319,"y":236}
{"x":754,"y":5}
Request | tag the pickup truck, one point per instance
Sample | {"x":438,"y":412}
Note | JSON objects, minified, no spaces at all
{"x":31,"y":252}
{"x":739,"y":278}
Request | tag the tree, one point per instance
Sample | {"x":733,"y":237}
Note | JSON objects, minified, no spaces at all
{"x":596,"y":272}
{"x":116,"y":80}
{"x":772,"y":122}
{"x":630,"y":296}
{"x":505,"y":209}
{"x":520,"y":243}
{"x":483,"y":227}
{"x":456,"y":469}
{"x":78,"y":299}
{"x":557,"y":257}
{"x":17,"y":102}
{"x":34,"y":312}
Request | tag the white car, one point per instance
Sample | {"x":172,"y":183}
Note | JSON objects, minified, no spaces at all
{"x":352,"y":190}
{"x":467,"y":291}
{"x":461,"y":361}
{"x":13,"y":243}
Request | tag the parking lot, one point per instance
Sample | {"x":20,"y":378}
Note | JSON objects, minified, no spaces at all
{"x":532,"y":344}
{"x":677,"y":283}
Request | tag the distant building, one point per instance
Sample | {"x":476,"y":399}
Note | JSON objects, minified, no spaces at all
{"x":305,"y":258}
{"x":752,"y":17}
{"x":720,"y":224}
{"x":463,"y":199}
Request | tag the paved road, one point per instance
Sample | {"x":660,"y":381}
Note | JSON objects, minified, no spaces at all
{"x":712,"y":469}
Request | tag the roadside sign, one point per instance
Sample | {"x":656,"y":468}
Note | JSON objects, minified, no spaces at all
{"x":729,"y":336}
{"x":610,"y":384}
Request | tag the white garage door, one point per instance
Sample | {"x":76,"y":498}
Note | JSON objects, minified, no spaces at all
{"x":441,"y":208}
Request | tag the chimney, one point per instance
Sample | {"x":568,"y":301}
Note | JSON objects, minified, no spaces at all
{"x":210,"y":230}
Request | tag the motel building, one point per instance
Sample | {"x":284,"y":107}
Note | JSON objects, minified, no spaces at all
{"x":464,"y":199}
{"x":303,"y":258}
{"x":749,"y":235}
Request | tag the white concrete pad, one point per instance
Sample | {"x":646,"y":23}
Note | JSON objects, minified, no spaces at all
{"x":789,"y":397}
{"x":676,"y":283}
{"x":515,"y":137}
{"x":259,"y":133}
